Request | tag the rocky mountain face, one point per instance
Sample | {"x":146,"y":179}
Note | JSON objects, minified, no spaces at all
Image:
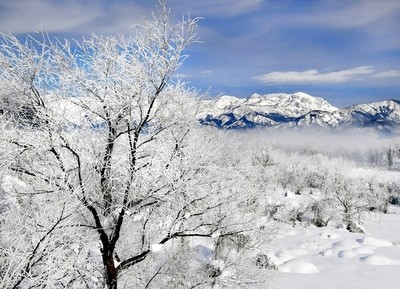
{"x":282,"y":110}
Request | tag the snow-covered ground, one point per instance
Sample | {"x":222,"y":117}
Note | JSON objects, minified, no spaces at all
{"x":327,"y":258}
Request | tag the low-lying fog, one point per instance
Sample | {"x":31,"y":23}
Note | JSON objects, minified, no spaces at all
{"x":362,"y":146}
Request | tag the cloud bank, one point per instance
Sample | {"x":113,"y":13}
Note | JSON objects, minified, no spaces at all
{"x":313,"y":76}
{"x":82,"y":17}
{"x":218,"y":8}
{"x":388,"y":74}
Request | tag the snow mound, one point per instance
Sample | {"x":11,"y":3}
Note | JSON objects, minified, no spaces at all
{"x":302,"y":250}
{"x":326,"y":253}
{"x":367,"y":240}
{"x":284,"y":255}
{"x":364,"y":250}
{"x":378,"y":260}
{"x":299,"y":266}
{"x":340,"y":246}
{"x":346,"y":254}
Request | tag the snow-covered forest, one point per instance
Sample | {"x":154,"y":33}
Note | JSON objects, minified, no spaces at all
{"x":109,"y":181}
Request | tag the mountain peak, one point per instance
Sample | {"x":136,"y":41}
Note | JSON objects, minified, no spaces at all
{"x":295,"y":104}
{"x":302,"y":95}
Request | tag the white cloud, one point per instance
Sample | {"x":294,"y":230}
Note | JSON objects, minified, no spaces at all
{"x":313,"y":76}
{"x":346,"y":14}
{"x":222,"y":8}
{"x":82,"y":17}
{"x":388,"y":74}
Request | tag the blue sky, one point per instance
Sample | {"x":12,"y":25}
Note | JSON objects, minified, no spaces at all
{"x":346,"y":51}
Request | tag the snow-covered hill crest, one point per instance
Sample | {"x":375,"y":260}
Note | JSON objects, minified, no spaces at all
{"x":298,"y":110}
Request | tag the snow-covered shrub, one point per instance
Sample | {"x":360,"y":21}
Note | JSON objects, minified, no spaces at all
{"x":319,"y":214}
{"x":376,"y":195}
{"x":265,"y":262}
{"x":348,"y":199}
{"x":393,"y":191}
{"x":228,"y":243}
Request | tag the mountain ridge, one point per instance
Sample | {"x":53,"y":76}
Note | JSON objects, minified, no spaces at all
{"x":282,"y":110}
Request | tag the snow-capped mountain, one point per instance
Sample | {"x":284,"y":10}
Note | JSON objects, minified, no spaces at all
{"x":381,"y":114}
{"x":298,"y":110}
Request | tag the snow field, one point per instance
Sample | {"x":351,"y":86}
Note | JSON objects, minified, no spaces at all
{"x":314,"y":257}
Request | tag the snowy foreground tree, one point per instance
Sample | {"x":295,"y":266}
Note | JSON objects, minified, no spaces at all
{"x":105,"y":172}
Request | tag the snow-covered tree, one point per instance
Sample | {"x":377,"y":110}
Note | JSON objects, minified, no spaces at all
{"x":106,"y":164}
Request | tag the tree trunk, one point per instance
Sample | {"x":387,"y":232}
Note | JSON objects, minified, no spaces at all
{"x":105,"y":175}
{"x":111,"y":272}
